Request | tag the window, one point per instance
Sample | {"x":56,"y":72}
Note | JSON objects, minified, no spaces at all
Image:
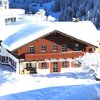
{"x":9,"y":20}
{"x":55,"y":67}
{"x":32,"y":49}
{"x":34,"y":65}
{"x":4,"y":59}
{"x":64,"y":47}
{"x":28,"y":64}
{"x":76,"y":47}
{"x":14,"y":19}
{"x":55,"y":47}
{"x":64,"y":64}
{"x":43,"y":65}
{"x":12,"y":62}
{"x":43,"y":48}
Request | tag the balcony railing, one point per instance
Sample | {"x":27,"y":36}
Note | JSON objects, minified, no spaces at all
{"x":43,"y":56}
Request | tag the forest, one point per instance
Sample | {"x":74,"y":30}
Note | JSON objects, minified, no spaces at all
{"x":82,"y":9}
{"x":69,"y":9}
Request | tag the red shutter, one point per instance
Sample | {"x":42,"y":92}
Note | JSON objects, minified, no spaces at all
{"x":72,"y":63}
{"x":47,"y":64}
{"x":51,"y":67}
{"x":39,"y":65}
{"x":59,"y":66}
{"x":68,"y":63}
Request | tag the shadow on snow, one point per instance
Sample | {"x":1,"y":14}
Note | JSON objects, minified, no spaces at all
{"x":78,"y":92}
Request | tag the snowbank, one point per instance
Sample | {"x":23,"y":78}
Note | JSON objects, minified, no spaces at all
{"x":74,"y":84}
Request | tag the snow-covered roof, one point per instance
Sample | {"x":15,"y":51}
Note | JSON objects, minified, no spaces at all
{"x":30,"y":29}
{"x":10,"y":12}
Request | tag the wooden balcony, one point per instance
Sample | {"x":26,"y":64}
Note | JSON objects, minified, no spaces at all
{"x":68,"y":54}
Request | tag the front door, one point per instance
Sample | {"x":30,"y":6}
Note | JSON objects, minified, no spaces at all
{"x":55,"y":67}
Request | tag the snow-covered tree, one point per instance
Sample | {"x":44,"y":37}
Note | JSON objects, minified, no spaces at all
{"x":50,"y":18}
{"x":82,"y":9}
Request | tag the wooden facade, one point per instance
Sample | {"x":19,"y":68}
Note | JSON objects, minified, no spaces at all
{"x":53,"y":46}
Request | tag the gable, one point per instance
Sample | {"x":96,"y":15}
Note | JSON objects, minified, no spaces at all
{"x":74,"y":38}
{"x":54,"y":37}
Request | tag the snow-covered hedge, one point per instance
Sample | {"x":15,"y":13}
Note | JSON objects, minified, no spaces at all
{"x":91,"y":61}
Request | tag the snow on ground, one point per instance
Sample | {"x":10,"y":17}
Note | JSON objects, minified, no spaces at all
{"x":75,"y":84}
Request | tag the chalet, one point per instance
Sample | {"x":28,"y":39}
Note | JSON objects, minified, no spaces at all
{"x":48,"y":47}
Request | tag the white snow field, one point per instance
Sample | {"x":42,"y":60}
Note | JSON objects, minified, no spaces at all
{"x":75,"y":84}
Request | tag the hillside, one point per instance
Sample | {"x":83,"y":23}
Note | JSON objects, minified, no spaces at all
{"x":63,"y":10}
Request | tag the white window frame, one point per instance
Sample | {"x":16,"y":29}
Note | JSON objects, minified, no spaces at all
{"x":55,"y":47}
{"x":64,"y":47}
{"x":34,"y":65}
{"x":28,"y":64}
{"x":43,"y":48}
{"x":55,"y":67}
{"x":31,"y":49}
{"x":43,"y":65}
{"x":64,"y":64}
